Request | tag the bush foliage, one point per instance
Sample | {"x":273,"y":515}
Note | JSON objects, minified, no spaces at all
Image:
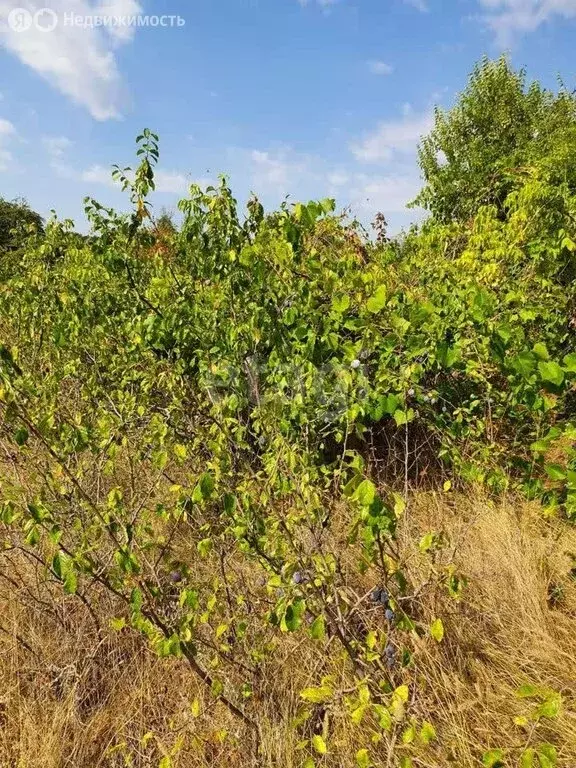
{"x":213,"y":392}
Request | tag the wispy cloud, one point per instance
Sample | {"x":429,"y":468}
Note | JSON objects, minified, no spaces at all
{"x":279,"y":168}
{"x":378,"y":67}
{"x":80,"y":62}
{"x":420,"y":5}
{"x":394,"y":137}
{"x":7,"y":133}
{"x":321,"y":3}
{"x":167,"y":182}
{"x":56,"y":146}
{"x":389,"y":193}
{"x":511,"y":18}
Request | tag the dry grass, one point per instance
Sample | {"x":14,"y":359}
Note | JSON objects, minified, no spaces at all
{"x":89,"y":701}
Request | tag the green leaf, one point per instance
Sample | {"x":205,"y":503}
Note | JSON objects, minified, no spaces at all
{"x":383,"y":716}
{"x":547,"y":755}
{"x":204,"y":488}
{"x":541,"y":351}
{"x":570,"y":362}
{"x":387,"y":405}
{"x":363,"y":758}
{"x":136,"y":599}
{"x":319,"y":745}
{"x":527,"y":758}
{"x":523,"y":363}
{"x":317,"y":695}
{"x":403,"y":417}
{"x":318,"y":629}
{"x":551,"y":372}
{"x":340,"y":303}
{"x":551,"y":707}
{"x":408,"y":735}
{"x":529,"y":691}
{"x":365,"y":493}
{"x":377,"y":301}
{"x":217,"y":688}
{"x":21,"y":436}
{"x":555,"y":472}
{"x":180,"y":451}
{"x":427,"y":732}
{"x":437,"y":630}
{"x":493,"y":758}
{"x":402,"y":693}
{"x":204,"y":547}
{"x":70,"y":580}
{"x":293,"y":615}
{"x":358,"y":714}
{"x":117,"y":624}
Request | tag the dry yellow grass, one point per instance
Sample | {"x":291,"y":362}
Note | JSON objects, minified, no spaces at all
{"x":75,"y":698}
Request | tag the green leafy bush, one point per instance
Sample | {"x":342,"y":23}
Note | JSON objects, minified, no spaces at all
{"x":217,"y":390}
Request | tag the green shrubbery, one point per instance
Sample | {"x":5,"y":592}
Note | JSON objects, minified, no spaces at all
{"x":208,"y":391}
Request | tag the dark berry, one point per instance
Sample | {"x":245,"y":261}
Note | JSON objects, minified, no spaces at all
{"x":390,"y":651}
{"x":376,"y":594}
{"x":389,"y":614}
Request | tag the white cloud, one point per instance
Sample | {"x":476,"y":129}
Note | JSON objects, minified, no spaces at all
{"x":420,"y":5}
{"x":6,"y":128}
{"x":389,"y":193}
{"x":394,"y":137}
{"x":167,"y":182}
{"x":321,"y":3}
{"x":277,"y":169}
{"x":337,"y":179}
{"x":380,"y":68}
{"x":171,"y":182}
{"x":97,"y":174}
{"x":7,"y":132}
{"x":56,"y":145}
{"x":508,"y":18}
{"x":78,"y":61}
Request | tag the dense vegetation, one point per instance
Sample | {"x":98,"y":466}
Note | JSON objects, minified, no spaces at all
{"x":220,"y":426}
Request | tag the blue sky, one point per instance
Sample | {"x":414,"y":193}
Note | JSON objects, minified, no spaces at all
{"x":316,"y":98}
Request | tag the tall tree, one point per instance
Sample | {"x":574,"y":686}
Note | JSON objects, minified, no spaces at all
{"x":478,"y":150}
{"x":17,"y":220}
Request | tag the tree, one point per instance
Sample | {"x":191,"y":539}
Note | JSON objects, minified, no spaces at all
{"x":478,"y":151}
{"x":17,"y":219}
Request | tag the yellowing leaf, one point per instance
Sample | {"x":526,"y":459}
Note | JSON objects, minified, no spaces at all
{"x":180,"y":451}
{"x":437,"y":630}
{"x":377,"y":301}
{"x":408,"y":735}
{"x":427,"y":732}
{"x":319,"y":745}
{"x":402,"y":693}
{"x":317,"y":695}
